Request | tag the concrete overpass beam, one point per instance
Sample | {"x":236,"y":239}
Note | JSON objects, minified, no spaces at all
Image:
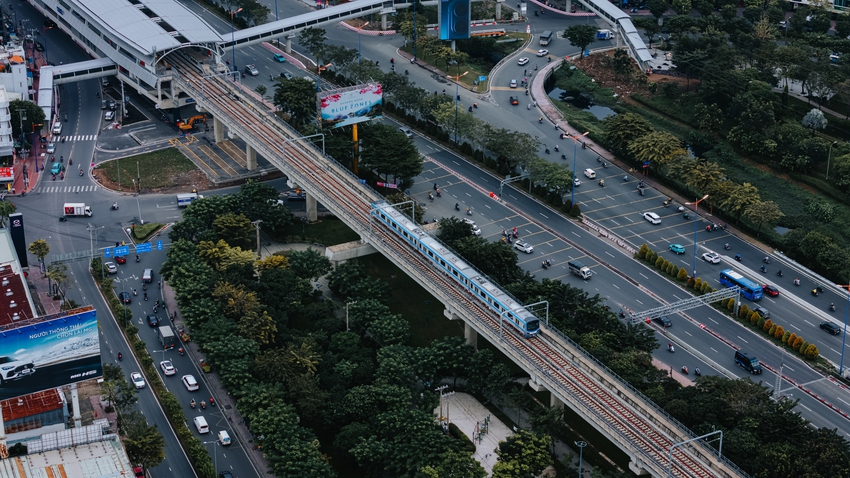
{"x":251,"y":157}
{"x":471,"y":335}
{"x":535,"y":384}
{"x":218,"y":130}
{"x":312,"y":209}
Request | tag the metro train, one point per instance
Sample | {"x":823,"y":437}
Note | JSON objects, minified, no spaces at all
{"x":458,"y":270}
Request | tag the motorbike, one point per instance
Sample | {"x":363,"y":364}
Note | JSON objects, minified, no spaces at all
{"x":203,"y":405}
{"x":180,"y":351}
{"x":62,"y":140}
{"x":764,"y":269}
{"x":468,"y":212}
{"x":625,"y":179}
{"x":70,"y":161}
{"x":114,"y":207}
{"x":598,"y":158}
{"x":212,"y":402}
{"x":738,"y":257}
{"x":556,"y":148}
{"x":53,"y":178}
{"x":815,"y":292}
{"x":430,"y":197}
{"x":779,"y":273}
{"x":81,"y":172}
{"x":543,"y":264}
{"x":526,"y":92}
{"x":621,"y":314}
{"x":832,"y":307}
{"x":540,"y":120}
{"x":563,"y":156}
{"x":135,"y":293}
{"x":192,"y":403}
{"x":137,"y":258}
{"x":536,"y":14}
{"x":670,"y":347}
{"x":796,"y":281}
{"x":120,"y":356}
{"x":548,"y":151}
{"x":439,"y":194}
{"x":470,"y":109}
{"x":697,"y":372}
{"x":457,"y":207}
{"x":146,"y":296}
{"x":604,"y":164}
{"x":602,"y":183}
{"x":584,"y":146}
{"x":684,"y":370}
{"x":766,"y":260}
{"x":475,"y":105}
{"x":727,"y":246}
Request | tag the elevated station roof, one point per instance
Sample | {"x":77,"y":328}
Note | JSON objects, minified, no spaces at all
{"x":150,"y":25}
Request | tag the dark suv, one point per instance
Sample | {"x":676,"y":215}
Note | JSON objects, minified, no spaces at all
{"x":153,"y":320}
{"x":748,"y":362}
{"x":663,"y":321}
{"x":830,"y":327}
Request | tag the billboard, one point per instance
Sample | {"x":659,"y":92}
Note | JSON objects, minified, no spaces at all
{"x":54,"y":351}
{"x":355,"y":104}
{"x":454,"y":19}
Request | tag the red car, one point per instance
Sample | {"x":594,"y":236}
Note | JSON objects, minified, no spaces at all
{"x":121,"y":259}
{"x":770,"y":290}
{"x":514,"y":100}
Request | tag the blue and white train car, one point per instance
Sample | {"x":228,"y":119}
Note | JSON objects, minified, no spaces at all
{"x":485,"y":291}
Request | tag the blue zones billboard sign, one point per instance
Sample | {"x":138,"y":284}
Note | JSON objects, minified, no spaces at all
{"x":455,"y":18}
{"x":351,"y":105}
{"x":55,"y":351}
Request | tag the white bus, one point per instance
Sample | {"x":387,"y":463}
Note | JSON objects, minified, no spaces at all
{"x":546,"y":37}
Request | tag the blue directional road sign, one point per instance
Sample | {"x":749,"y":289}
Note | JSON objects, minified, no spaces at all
{"x":143,"y":247}
{"x":107,"y":253}
{"x":159,"y":245}
{"x":121,"y":251}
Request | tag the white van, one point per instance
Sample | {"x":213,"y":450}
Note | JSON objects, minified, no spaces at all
{"x":223,"y":438}
{"x":57,"y":128}
{"x":201,"y":425}
{"x":147,"y":276}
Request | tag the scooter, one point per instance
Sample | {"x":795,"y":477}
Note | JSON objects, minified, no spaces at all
{"x":684,"y":370}
{"x":766,"y":260}
{"x":604,"y":164}
{"x":468,"y":212}
{"x":602,"y":183}
{"x":563,"y":156}
{"x":457,"y":207}
{"x":137,"y":258}
{"x":738,"y":257}
{"x":180,"y":351}
{"x":212,"y":402}
{"x":670,"y":347}
{"x":697,"y":372}
{"x":540,"y":120}
{"x":556,"y":148}
{"x":543,"y":264}
{"x":113,"y":207}
{"x":192,"y":403}
{"x":727,"y":246}
{"x":81,"y":172}
{"x":548,"y":151}
{"x":120,"y":356}
{"x":832,"y":307}
{"x":134,"y":292}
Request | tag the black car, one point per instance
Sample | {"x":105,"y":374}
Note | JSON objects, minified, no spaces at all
{"x":153,"y":320}
{"x":125,"y":298}
{"x":663,"y":321}
{"x":830,"y":327}
{"x":49,"y":24}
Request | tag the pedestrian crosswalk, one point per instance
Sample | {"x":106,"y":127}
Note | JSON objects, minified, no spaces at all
{"x":80,"y":137}
{"x":48,"y":189}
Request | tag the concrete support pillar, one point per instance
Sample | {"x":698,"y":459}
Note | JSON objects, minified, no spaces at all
{"x":288,"y":47}
{"x":312,"y":209}
{"x":569,"y":5}
{"x":251,"y":157}
{"x":218,"y":130}
{"x":470,"y":335}
{"x":75,"y":406}
{"x":555,"y":402}
{"x":383,"y":21}
{"x":498,"y":11}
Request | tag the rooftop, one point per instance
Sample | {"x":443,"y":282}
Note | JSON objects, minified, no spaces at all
{"x":15,"y":302}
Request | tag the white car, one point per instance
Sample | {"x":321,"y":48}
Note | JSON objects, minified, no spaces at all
{"x":543,"y":52}
{"x":475,"y":229}
{"x":513,"y":83}
{"x":406,"y":132}
{"x":167,"y":367}
{"x":51,"y":148}
{"x":111,"y":268}
{"x":711,"y":257}
{"x":109,"y":116}
{"x":224,"y":438}
{"x":251,"y":70}
{"x":190,"y":383}
{"x":522,"y":61}
{"x":652,"y":217}
{"x":589,"y":173}
{"x":11,"y":369}
{"x":137,"y":380}
{"x":524,"y":247}
{"x":577,"y":182}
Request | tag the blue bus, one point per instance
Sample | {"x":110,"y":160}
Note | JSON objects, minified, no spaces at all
{"x":750,"y":289}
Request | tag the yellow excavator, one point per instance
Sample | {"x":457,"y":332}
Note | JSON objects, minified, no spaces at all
{"x":191,"y":122}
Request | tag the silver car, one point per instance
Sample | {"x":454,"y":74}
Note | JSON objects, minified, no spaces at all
{"x":51,"y":148}
{"x":524,"y":247}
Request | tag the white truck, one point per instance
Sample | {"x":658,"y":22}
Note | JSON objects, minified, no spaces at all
{"x":76,"y":209}
{"x":183,"y":200}
{"x":579,"y":269}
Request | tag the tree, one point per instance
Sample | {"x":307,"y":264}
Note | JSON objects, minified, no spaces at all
{"x":387,"y":151}
{"x":657,"y":8}
{"x":58,"y":273}
{"x":842,"y":93}
{"x":814,"y":120}
{"x":7,"y":208}
{"x":39,"y":248}
{"x":622,"y":129}
{"x":33,"y":115}
{"x":236,"y":230}
{"x":581,"y":35}
{"x":119,"y":393}
{"x":297,"y":98}
{"x":515,"y":149}
{"x":740,"y":198}
{"x":314,"y":40}
{"x":658,"y":148}
{"x":763,"y":212}
{"x":650,"y":27}
{"x":144,"y":443}
{"x":309,"y":264}
{"x":523,"y":454}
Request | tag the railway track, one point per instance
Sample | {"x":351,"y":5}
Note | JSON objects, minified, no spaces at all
{"x":351,"y":200}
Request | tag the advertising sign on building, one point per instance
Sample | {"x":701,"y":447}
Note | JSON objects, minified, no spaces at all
{"x":454,"y":19}
{"x":59,"y":350}
{"x":355,"y":104}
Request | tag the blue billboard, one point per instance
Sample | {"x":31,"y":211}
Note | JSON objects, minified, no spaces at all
{"x":455,"y":17}
{"x":55,"y":351}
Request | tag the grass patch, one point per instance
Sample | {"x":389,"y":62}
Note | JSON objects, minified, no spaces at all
{"x":329,"y":231}
{"x":158,"y":169}
{"x":142,"y":232}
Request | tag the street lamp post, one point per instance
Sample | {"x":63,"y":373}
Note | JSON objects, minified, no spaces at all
{"x":233,"y":37}
{"x":829,"y":158}
{"x":575,"y":153}
{"x":696,"y":214}
{"x":844,"y":338}
{"x":414,"y":29}
{"x":359,"y":54}
{"x":457,"y":95}
{"x":580,"y":445}
{"x":215,"y":453}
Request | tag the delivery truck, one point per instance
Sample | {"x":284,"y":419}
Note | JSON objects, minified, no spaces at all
{"x":579,"y":269}
{"x":76,"y":209}
{"x":183,"y":200}
{"x":166,"y":337}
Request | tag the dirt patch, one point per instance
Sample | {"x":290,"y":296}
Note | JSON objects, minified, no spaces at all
{"x":183,"y":183}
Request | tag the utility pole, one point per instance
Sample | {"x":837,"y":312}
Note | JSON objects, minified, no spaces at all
{"x":257,"y":226}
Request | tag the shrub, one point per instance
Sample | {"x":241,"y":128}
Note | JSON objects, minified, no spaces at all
{"x":791,"y":339}
{"x":730,"y":304}
{"x":772,"y":329}
{"x":743,"y":311}
{"x":659,"y":262}
{"x":698,"y":284}
{"x":803,"y":347}
{"x":812,"y":352}
{"x":754,"y":318}
{"x":760,"y":323}
{"x":690,"y":284}
{"x":797,"y":343}
{"x":779,"y":332}
{"x":575,"y":211}
{"x":785,"y":336}
{"x":767,"y":324}
{"x":670,"y":269}
{"x":705,"y":289}
{"x":682,"y":275}
{"x":644,"y":249}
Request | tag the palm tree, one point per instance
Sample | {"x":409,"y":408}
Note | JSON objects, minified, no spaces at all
{"x":739,"y":198}
{"x":658,"y":148}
